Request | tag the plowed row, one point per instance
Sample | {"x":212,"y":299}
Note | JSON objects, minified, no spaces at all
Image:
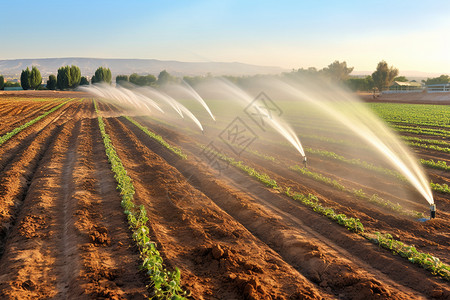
{"x":63,"y":233}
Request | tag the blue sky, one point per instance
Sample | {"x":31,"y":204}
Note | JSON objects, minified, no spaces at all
{"x":411,"y":35}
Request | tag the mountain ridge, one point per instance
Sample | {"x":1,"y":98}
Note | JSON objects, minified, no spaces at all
{"x":87,"y":65}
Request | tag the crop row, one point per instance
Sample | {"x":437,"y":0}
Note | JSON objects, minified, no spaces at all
{"x":16,"y":130}
{"x":368,"y":166}
{"x":430,"y":147}
{"x":421,"y":130}
{"x":440,"y":165}
{"x":427,"y":141}
{"x":158,"y":138}
{"x":311,"y":201}
{"x":375,"y":199}
{"x":352,"y":224}
{"x":425,"y":260}
{"x":441,"y":188}
{"x":165,"y":284}
{"x":412,"y":141}
{"x":413,"y":113}
{"x":354,"y":162}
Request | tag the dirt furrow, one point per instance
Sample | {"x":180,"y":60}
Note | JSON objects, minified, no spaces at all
{"x":8,"y":122}
{"x":364,"y":251}
{"x":16,"y":176}
{"x":430,"y":237}
{"x":23,"y":139}
{"x":33,"y":262}
{"x":110,"y":263}
{"x":198,"y":237}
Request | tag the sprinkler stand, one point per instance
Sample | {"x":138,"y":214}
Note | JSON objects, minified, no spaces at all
{"x":433,"y":211}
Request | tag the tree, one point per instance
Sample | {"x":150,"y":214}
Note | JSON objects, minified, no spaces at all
{"x":12,"y":84}
{"x":75,"y":76}
{"x":121,"y":79}
{"x":35,"y":78}
{"x":63,"y":81}
{"x":25,"y":79}
{"x":337,"y":71}
{"x":84,"y":81}
{"x":2,"y":82}
{"x":51,"y":82}
{"x":102,"y":75}
{"x":401,"y":79}
{"x":437,"y":80}
{"x":164,"y":77}
{"x":360,"y":84}
{"x":142,"y":80}
{"x":384,"y":75}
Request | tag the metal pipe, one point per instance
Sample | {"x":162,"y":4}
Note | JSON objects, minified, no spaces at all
{"x":433,"y":211}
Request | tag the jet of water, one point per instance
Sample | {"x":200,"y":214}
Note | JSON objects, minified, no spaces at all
{"x":139,"y":98}
{"x":278,"y":124}
{"x":186,"y":89}
{"x":359,"y":119}
{"x":180,"y":108}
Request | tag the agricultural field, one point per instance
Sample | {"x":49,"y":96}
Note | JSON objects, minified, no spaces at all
{"x":101,"y":203}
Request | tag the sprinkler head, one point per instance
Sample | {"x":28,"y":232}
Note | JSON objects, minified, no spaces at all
{"x":304,"y":161}
{"x":433,"y":211}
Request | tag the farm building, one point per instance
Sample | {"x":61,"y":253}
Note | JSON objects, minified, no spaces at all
{"x":443,"y":87}
{"x":401,"y":87}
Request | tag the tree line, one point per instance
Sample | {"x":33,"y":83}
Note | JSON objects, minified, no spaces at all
{"x":69,"y":77}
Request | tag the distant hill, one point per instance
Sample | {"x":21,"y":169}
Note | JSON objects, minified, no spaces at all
{"x":88,"y":66}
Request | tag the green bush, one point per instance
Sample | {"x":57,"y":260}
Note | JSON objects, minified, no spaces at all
{"x":84,"y":81}
{"x":25,"y":79}
{"x":51,"y":82}
{"x":35,"y":78}
{"x":102,"y":75}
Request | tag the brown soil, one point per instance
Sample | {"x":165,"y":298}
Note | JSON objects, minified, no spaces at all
{"x":442,"y":98}
{"x":63,"y":231}
{"x":64,"y":235}
{"x":430,"y":237}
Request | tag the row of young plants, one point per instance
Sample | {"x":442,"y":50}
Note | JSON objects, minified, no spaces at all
{"x":427,"y":141}
{"x":440,"y":165}
{"x":164,"y":284}
{"x":16,"y":130}
{"x":352,"y":224}
{"x":368,"y":166}
{"x":441,"y":188}
{"x":412,"y":141}
{"x":157,"y":138}
{"x":421,"y":130}
{"x":425,"y":260}
{"x":375,"y":199}
{"x":431,"y":147}
{"x":310,"y":200}
{"x":418,"y":114}
{"x":355,"y":162}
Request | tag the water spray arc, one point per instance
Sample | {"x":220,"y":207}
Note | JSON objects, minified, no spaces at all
{"x":279,"y":125}
{"x":186,"y":89}
{"x":140,"y":98}
{"x":366,"y":125}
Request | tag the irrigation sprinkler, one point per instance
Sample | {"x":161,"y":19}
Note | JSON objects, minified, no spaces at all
{"x":433,"y":211}
{"x":305,"y":162}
